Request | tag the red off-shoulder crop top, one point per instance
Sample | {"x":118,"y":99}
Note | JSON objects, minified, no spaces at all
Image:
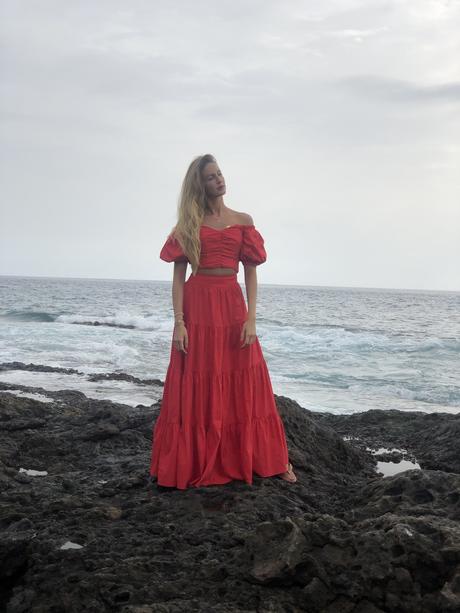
{"x":223,"y":248}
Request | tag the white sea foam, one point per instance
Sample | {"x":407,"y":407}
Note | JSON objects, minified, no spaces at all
{"x":34,"y":396}
{"x":382,"y":450}
{"x":123,"y":392}
{"x":121,"y":319}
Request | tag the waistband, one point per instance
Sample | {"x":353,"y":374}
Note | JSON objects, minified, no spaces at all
{"x":213,"y":280}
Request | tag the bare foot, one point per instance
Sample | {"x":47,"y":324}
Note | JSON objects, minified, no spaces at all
{"x":289,"y":475}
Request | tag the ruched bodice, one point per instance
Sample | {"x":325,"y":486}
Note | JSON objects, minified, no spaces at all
{"x":223,"y":248}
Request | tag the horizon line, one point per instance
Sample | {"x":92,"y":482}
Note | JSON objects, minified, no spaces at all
{"x":407,"y":289}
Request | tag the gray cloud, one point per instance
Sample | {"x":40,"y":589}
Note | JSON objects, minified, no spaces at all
{"x":398,"y":90}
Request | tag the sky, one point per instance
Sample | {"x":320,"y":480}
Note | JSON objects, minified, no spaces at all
{"x":336,"y":124}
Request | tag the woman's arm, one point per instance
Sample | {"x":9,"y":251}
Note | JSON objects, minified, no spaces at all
{"x":248,"y":332}
{"x":180,"y":337}
{"x":250,"y":281}
{"x":178,"y":285}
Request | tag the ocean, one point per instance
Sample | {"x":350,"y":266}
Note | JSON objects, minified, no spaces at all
{"x":335,"y":349}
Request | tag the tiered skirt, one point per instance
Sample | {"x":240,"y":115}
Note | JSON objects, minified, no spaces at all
{"x":218,"y":419}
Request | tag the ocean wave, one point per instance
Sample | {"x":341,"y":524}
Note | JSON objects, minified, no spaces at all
{"x":303,"y":340}
{"x":120,"y":320}
{"x":447,"y":395}
{"x":36,"y":316}
{"x":433,"y":343}
{"x":309,"y":339}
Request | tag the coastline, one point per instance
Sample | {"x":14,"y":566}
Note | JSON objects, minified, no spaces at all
{"x":92,"y":532}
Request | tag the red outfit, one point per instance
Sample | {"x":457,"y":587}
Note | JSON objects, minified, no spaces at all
{"x":218,"y":419}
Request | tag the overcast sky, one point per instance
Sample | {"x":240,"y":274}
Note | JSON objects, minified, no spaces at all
{"x":336,"y":124}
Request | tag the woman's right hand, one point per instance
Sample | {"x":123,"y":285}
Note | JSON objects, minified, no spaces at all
{"x":180,"y":337}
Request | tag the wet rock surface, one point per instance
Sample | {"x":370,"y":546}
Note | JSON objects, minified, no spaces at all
{"x":93,"y":533}
{"x":113,"y":376}
{"x":433,"y":438}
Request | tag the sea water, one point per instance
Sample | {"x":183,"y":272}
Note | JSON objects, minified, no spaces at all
{"x":336,"y":349}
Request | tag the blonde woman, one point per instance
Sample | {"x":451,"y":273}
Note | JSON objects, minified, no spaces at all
{"x":218,"y":419}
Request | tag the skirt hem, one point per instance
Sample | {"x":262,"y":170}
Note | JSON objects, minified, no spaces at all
{"x":209,"y":484}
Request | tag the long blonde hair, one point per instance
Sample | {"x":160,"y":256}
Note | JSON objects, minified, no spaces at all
{"x":191,"y":209}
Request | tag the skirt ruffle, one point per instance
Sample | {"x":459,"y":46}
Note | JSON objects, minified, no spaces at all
{"x":218,"y":419}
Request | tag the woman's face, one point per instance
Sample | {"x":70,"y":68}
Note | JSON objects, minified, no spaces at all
{"x":213,"y":180}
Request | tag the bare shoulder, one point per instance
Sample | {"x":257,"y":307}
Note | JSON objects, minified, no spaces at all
{"x":245,"y":219}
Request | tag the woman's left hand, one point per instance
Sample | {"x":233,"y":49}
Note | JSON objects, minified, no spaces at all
{"x":248,"y":333}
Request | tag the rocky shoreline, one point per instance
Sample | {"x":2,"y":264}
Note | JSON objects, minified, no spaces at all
{"x":91,"y":532}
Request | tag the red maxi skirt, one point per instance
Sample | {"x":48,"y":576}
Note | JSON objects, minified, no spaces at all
{"x":218,"y":419}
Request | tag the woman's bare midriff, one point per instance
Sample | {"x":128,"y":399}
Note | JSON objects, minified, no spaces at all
{"x":216,"y":271}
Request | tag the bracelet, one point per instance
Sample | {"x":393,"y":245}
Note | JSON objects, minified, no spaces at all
{"x":178,"y":316}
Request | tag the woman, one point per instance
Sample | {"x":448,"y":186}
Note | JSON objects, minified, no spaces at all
{"x":218,"y":419}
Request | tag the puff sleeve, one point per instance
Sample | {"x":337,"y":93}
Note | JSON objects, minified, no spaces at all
{"x":172,"y":251}
{"x":252,"y":250}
